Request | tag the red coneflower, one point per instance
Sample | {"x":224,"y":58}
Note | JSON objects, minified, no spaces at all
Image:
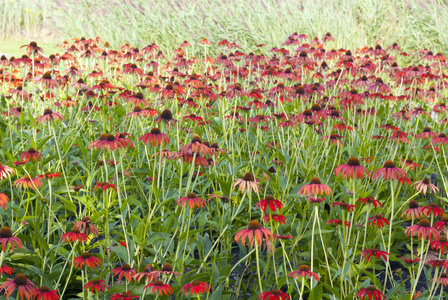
{"x":410,"y":261}
{"x":44,"y":293}
{"x":370,"y":200}
{"x":303,"y":271}
{"x":371,"y":292}
{"x":28,"y":182}
{"x":389,"y":171}
{"x":32,"y":154}
{"x":6,"y":238}
{"x":86,"y":226}
{"x":122,"y":296}
{"x":75,"y":236}
{"x":5,"y":171}
{"x":6,"y":270}
{"x":414,"y":210}
{"x":273,"y":295}
{"x":147,"y":272}
{"x":166,"y":116}
{"x":423,"y":228}
{"x":192,"y":200}
{"x":348,"y":207}
{"x":367,"y":254}
{"x":283,"y":237}
{"x":24,"y":285}
{"x":437,"y":263}
{"x":442,"y":224}
{"x":423,"y":185}
{"x":88,"y":260}
{"x":270,"y":202}
{"x":315,"y":188}
{"x":379,"y":220}
{"x":195,"y":287}
{"x":125,"y":270}
{"x":105,"y":186}
{"x":409,"y":163}
{"x":160,"y":287}
{"x":98,"y":285}
{"x":49,"y":115}
{"x":247,"y":184}
{"x":276,"y":217}
{"x":351,"y":169}
{"x":254,"y":230}
{"x":433,"y":209}
{"x":155,"y":137}
{"x":336,"y":222}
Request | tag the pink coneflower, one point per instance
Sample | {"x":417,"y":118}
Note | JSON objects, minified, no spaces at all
{"x":247,"y":184}
{"x":5,"y":172}
{"x":440,"y":139}
{"x":423,"y":229}
{"x":155,"y":137}
{"x":442,"y":279}
{"x":351,"y":169}
{"x":367,"y":254}
{"x":389,"y":171}
{"x":196,"y":146}
{"x":315,"y":188}
{"x":6,"y":238}
{"x":49,"y":115}
{"x":86,"y":226}
{"x":24,"y":286}
{"x":414,"y":210}
{"x":426,"y":134}
{"x":303,"y":271}
{"x":423,"y":185}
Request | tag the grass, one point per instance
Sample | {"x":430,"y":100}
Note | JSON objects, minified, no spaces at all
{"x":413,"y":24}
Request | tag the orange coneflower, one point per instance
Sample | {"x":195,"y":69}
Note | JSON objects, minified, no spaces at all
{"x":5,"y":171}
{"x":32,"y":48}
{"x":160,"y":287}
{"x":192,"y":200}
{"x":440,"y":139}
{"x":427,"y":133}
{"x":315,"y":188}
{"x":303,"y":271}
{"x":75,"y":236}
{"x":351,"y":169}
{"x":247,"y":183}
{"x":147,"y":272}
{"x":442,"y":279}
{"x":49,"y":115}
{"x":24,"y":285}
{"x":88,"y":260}
{"x":254,"y":230}
{"x":28,"y":182}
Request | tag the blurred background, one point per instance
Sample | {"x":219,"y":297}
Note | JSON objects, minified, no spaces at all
{"x":354,"y":23}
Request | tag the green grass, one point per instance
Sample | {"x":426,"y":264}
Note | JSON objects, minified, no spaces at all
{"x":355,"y":23}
